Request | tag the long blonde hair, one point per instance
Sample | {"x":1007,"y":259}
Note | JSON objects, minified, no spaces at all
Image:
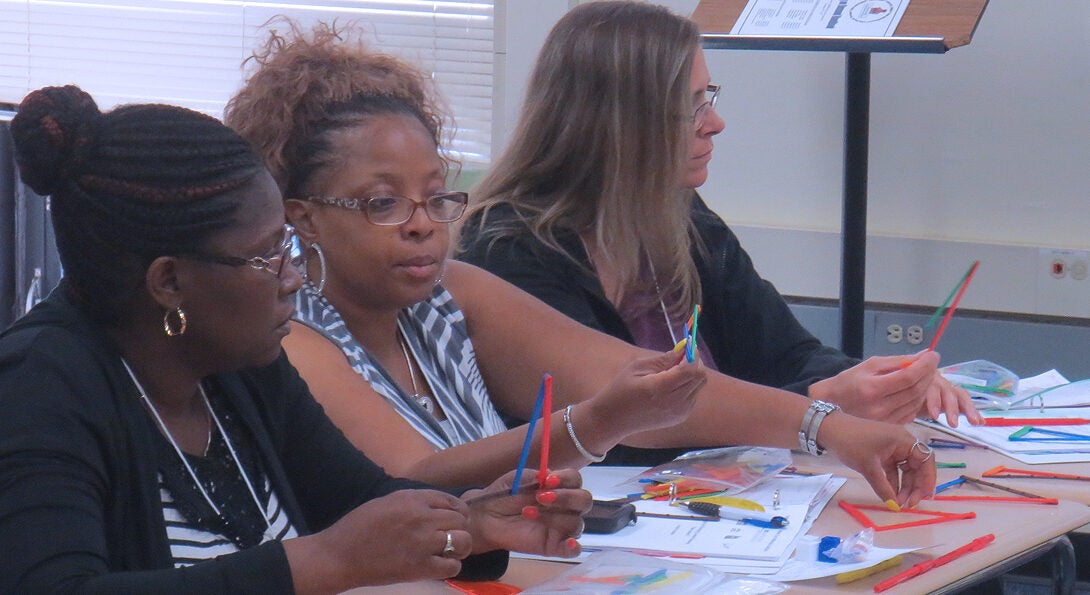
{"x":600,"y":147}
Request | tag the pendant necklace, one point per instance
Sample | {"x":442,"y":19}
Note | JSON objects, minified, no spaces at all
{"x":662,"y":304}
{"x":658,"y":290}
{"x":424,"y":401}
{"x":181,"y":455}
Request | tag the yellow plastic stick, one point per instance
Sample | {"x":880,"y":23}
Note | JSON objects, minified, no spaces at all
{"x":854,"y":575}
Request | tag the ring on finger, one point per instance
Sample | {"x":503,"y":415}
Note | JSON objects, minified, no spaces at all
{"x":448,"y":549}
{"x":924,"y":449}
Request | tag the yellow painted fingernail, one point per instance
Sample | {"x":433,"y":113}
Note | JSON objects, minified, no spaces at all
{"x":680,"y":345}
{"x":892,"y":505}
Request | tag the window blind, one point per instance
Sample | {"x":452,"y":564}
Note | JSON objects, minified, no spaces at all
{"x":190,"y":52}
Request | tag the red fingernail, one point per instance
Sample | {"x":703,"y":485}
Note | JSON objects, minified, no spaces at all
{"x":552,"y":481}
{"x":530,"y":513}
{"x":572,"y":543}
{"x":546,"y":497}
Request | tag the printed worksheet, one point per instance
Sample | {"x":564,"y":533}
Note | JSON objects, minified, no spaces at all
{"x":825,"y":18}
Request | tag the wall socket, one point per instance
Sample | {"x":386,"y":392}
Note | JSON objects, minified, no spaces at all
{"x":912,"y":335}
{"x":1062,"y":281}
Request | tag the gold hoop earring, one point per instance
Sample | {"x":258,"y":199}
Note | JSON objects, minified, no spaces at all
{"x":168,"y":328}
{"x":321,"y":263}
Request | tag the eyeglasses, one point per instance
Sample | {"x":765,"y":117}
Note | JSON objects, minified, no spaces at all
{"x":711,"y":97}
{"x":272,"y":264}
{"x":445,"y":207}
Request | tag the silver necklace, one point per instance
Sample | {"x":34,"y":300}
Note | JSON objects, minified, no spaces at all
{"x":662,"y":304}
{"x":658,"y":290}
{"x":193,"y":474}
{"x":424,"y":401}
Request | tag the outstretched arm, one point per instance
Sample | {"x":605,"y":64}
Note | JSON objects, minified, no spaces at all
{"x":649,"y":391}
{"x":897,"y":389}
{"x":518,"y":338}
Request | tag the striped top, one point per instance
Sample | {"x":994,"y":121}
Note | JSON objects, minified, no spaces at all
{"x":436,"y":333}
{"x":190,"y":545}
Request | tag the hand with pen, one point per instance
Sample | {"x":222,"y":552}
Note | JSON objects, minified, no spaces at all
{"x":897,"y":389}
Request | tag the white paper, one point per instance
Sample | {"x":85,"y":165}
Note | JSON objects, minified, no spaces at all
{"x":1031,"y":452}
{"x":820,"y":18}
{"x":754,"y":549}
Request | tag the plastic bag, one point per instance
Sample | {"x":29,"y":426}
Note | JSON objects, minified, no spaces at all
{"x":730,"y":469}
{"x":624,"y":572}
{"x":854,"y":548}
{"x":991,"y":385}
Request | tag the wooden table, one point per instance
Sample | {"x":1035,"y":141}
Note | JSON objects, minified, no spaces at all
{"x":1023,"y":531}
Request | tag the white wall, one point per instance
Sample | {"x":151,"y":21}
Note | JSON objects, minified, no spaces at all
{"x":980,"y":153}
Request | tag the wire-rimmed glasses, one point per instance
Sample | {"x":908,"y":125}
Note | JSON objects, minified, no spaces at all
{"x":271,"y":264}
{"x":711,"y":97}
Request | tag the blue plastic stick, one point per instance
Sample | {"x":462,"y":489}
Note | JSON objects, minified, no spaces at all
{"x":529,"y":438}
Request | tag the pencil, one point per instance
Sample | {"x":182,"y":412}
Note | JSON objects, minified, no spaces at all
{"x":529,"y":440}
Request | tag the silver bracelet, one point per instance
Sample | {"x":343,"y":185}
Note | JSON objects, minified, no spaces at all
{"x":575,"y":440}
{"x":811,"y":422}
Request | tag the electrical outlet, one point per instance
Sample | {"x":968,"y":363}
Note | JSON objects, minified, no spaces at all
{"x":894,"y":333}
{"x":1077,"y":269}
{"x":914,"y":334}
{"x":1063,"y":282}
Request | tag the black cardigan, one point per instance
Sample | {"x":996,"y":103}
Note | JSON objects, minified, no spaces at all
{"x":745,"y":323}
{"x":79,"y":499}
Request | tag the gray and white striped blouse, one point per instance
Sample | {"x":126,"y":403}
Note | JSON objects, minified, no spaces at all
{"x":436,"y":332}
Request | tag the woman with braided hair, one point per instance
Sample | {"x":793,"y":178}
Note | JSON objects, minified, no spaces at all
{"x":153,"y":436}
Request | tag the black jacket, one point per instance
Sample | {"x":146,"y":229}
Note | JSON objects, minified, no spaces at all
{"x":79,"y":500}
{"x":748,"y":328}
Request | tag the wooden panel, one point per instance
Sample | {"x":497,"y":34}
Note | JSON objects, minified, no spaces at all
{"x":953,"y":20}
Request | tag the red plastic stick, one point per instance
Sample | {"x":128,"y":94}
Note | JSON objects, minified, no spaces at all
{"x":953,"y":306}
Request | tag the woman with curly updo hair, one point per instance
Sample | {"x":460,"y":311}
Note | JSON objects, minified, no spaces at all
{"x":413,"y":356}
{"x":409,"y":355}
{"x":153,"y":436}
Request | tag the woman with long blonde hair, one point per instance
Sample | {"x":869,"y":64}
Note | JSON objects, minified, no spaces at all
{"x":592,"y":208}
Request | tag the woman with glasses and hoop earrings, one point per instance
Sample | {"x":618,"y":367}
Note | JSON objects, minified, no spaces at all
{"x":592,"y":208}
{"x":386,"y":331}
{"x":394,"y":323}
{"x":154,"y":437}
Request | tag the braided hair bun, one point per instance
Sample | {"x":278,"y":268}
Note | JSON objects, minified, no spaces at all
{"x":127,"y":185}
{"x":52,"y":129}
